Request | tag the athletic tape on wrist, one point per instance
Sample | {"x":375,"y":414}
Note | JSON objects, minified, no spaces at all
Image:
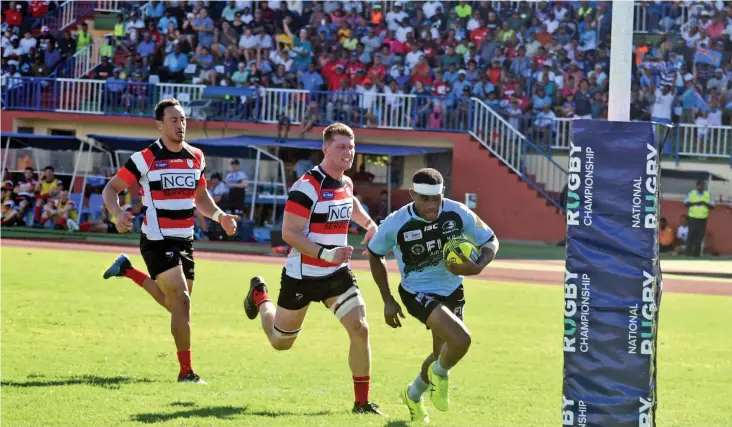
{"x":217,"y":215}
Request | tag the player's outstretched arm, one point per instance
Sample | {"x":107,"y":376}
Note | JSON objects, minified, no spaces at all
{"x":110,"y":194}
{"x":206,"y":206}
{"x":292,"y":233}
{"x":392,"y":309}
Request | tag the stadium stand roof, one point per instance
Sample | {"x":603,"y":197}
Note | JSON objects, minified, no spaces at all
{"x":238,"y":146}
{"x":42,"y":142}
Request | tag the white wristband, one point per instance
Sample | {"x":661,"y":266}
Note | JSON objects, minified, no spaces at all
{"x":327,"y":254}
{"x":217,"y":215}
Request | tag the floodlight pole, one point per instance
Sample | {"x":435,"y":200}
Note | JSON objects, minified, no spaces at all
{"x":621,"y":57}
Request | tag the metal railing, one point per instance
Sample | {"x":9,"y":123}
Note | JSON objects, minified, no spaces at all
{"x":532,"y":163}
{"x":685,"y":139}
{"x":385,"y":111}
{"x":79,"y":96}
{"x":702,"y":141}
{"x":650,"y":17}
{"x":505,"y":137}
{"x":118,"y":5}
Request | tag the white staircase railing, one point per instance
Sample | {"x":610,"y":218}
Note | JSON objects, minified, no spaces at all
{"x":530,"y":161}
{"x":86,"y":59}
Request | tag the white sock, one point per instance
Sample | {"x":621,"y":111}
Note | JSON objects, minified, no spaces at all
{"x":417,"y":389}
{"x":439,"y":370}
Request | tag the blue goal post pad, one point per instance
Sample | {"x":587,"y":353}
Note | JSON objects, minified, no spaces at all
{"x":613,"y":282}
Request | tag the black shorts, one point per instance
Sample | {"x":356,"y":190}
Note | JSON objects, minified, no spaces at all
{"x":420,"y":305}
{"x":298,"y":293}
{"x":29,"y":199}
{"x":162,"y":255}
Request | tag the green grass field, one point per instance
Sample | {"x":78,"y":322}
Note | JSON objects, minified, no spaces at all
{"x":80,"y":351}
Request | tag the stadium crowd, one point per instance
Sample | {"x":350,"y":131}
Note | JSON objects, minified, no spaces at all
{"x":541,"y":60}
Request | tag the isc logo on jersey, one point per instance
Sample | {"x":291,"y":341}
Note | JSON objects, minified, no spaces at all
{"x":178,"y":181}
{"x":340,"y":212}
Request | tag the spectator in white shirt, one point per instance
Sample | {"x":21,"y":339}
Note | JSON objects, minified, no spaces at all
{"x":12,"y":78}
{"x":27,"y":42}
{"x":413,"y":58}
{"x":544,"y":123}
{"x":662,"y":105}
{"x":597,"y":72}
{"x":396,"y":16}
{"x":403,"y":30}
{"x":551,"y":24}
{"x":430,"y":8}
{"x":134,"y":22}
{"x":475,"y":22}
{"x":715,"y":114}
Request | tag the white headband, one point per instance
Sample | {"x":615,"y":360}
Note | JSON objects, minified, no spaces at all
{"x":428,"y":189}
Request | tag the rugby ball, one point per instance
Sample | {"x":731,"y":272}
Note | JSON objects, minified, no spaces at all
{"x":458,"y":245}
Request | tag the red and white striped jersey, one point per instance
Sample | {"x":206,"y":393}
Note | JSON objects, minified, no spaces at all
{"x":168,"y":182}
{"x":327,"y":203}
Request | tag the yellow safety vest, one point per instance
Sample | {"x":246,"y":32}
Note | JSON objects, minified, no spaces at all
{"x":84,"y":40}
{"x":119,"y":30}
{"x":695,"y":211}
{"x":105,"y":50}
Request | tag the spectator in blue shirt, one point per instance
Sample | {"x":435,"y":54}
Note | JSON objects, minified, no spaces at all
{"x":156,"y":9}
{"x":540,"y":100}
{"x":164,"y":21}
{"x":174,"y":66}
{"x":461,"y":83}
{"x":205,"y":28}
{"x":303,"y":49}
{"x":52,"y":56}
{"x":229,"y":12}
{"x":146,"y":48}
{"x":206,"y":61}
{"x":311,"y":79}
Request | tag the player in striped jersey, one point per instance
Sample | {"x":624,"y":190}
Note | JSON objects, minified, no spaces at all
{"x":317,"y":213}
{"x":171,"y":175}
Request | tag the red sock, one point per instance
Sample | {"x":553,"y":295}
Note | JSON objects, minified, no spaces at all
{"x":184,"y":358}
{"x":37,"y":213}
{"x":136,"y":275}
{"x":259,"y":297}
{"x":361,"y":386}
{"x":85,"y":227}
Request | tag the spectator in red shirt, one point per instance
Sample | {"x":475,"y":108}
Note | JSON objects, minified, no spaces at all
{"x":354,"y":66}
{"x":477,"y":35}
{"x":38,"y":8}
{"x":421,"y":73}
{"x":339,"y":79}
{"x":14,"y":15}
{"x":439,"y":87}
{"x":377,"y":72}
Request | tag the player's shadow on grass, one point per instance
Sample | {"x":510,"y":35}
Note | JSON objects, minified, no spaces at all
{"x":397,"y":423}
{"x":206,"y":412}
{"x":275,"y":414}
{"x":218,"y":412}
{"x":93,"y":380}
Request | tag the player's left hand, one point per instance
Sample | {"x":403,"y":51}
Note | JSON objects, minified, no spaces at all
{"x":467,"y":268}
{"x":370,"y":232}
{"x":229,"y":223}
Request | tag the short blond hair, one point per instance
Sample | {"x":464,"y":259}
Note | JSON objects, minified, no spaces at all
{"x":335,"y":129}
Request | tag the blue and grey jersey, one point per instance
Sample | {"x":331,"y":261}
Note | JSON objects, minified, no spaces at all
{"x":418,"y":244}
